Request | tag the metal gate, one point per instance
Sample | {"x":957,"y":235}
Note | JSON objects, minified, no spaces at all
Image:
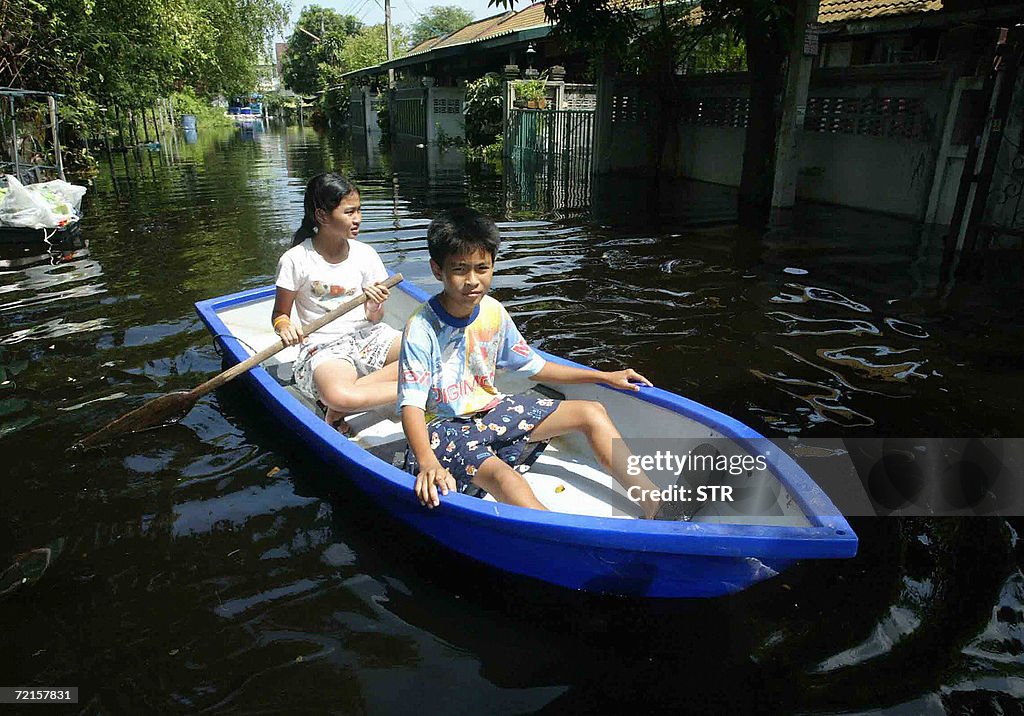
{"x":550,"y":156}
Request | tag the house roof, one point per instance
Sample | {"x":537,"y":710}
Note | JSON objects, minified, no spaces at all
{"x":530,"y":19}
{"x":851,"y":10}
{"x":847,"y":10}
{"x":494,"y":26}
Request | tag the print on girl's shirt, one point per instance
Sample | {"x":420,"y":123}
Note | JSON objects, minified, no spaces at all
{"x":323,"y":290}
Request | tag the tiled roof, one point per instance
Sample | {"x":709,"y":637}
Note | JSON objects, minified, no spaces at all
{"x":472,"y":31}
{"x":503,"y":24}
{"x":846,"y":10}
{"x":425,"y":45}
{"x":532,"y":16}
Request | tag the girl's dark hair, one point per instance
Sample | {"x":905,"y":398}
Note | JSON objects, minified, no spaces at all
{"x":461,"y":231}
{"x":324,"y":191}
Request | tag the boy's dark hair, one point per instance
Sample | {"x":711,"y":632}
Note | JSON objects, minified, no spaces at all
{"x":461,"y":231}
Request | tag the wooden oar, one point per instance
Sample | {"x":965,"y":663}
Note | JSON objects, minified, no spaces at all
{"x":173,"y":406}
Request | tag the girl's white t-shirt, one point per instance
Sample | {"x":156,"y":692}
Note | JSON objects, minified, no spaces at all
{"x":321,"y":286}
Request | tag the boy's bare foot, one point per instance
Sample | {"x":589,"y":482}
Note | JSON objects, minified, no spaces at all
{"x":337,"y":421}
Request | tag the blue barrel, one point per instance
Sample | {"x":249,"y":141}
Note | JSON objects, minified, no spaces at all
{"x":188,"y":121}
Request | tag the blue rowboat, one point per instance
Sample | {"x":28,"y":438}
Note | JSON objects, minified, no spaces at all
{"x":591,"y":539}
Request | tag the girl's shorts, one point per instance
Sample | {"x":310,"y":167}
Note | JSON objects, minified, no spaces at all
{"x":463,"y":444}
{"x":366,"y":349}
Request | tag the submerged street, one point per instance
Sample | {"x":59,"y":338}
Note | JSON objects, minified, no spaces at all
{"x":213,"y":565}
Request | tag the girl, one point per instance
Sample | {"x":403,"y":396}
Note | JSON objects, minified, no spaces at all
{"x":350,"y":364}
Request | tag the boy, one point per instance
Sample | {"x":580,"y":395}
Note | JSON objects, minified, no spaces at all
{"x":460,"y":429}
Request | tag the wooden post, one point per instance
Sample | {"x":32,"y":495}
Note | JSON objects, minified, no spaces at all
{"x":120,"y":126}
{"x":390,"y":50}
{"x":106,"y":131}
{"x":58,"y":158}
{"x":1000,"y":110}
{"x":134,"y":127}
{"x":14,"y":140}
{"x":157,"y":129}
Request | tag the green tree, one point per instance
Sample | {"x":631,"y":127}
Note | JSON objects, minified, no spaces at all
{"x":313,"y":59}
{"x":129,"y":52}
{"x":438,"y":20}
{"x":369,"y":47}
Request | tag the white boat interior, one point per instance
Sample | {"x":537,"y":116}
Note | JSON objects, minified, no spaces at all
{"x":566,"y":477}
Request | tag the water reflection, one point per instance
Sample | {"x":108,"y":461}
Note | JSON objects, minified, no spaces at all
{"x":214,"y":565}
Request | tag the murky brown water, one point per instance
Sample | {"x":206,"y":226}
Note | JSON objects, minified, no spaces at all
{"x":213,"y":566}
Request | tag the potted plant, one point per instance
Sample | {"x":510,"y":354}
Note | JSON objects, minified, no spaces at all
{"x":533,"y":92}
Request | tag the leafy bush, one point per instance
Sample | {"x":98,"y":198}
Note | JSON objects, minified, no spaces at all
{"x":483,"y":110}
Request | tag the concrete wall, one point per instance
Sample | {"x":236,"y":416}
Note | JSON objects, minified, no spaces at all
{"x":710,"y":140}
{"x":624,"y":117}
{"x":446,"y":108}
{"x":879,"y":151}
{"x":871,"y":134}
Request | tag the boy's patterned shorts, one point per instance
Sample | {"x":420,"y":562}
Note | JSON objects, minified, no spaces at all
{"x":463,"y":444}
{"x":366,"y":349}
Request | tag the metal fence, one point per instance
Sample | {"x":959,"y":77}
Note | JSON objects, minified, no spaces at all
{"x":550,"y":153}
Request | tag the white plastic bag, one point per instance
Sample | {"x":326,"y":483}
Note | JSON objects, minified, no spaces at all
{"x":61,"y":190}
{"x":40,"y":206}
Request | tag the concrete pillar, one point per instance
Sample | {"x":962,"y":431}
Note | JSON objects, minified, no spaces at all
{"x":430,"y":130}
{"x":794,"y":108}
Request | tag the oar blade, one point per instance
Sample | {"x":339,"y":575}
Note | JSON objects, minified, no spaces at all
{"x":166,"y":408}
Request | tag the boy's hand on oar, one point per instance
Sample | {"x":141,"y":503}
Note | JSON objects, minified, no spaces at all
{"x":627,"y":379}
{"x":430,"y":479}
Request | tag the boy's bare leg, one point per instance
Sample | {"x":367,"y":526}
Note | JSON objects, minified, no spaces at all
{"x":591,"y":419}
{"x":507,"y":485}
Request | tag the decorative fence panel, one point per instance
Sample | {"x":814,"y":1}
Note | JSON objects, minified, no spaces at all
{"x":409,"y":110}
{"x":551,"y":156}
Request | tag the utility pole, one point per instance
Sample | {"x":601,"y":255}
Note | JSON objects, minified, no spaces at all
{"x":387,"y":32}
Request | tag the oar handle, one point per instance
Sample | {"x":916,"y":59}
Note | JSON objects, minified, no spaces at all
{"x":253,"y":361}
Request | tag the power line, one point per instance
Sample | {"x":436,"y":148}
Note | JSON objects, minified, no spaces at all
{"x":358,"y":8}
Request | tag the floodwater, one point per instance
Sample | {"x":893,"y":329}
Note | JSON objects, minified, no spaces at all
{"x":213,"y":566}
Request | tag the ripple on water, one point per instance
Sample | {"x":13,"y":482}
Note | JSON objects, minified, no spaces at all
{"x":798,"y":293}
{"x":906,"y":328}
{"x":54,"y":328}
{"x":803,"y":326}
{"x":881,"y":362}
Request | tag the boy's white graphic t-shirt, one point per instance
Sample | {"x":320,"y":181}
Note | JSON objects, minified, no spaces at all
{"x":321,"y":286}
{"x":447,"y":364}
